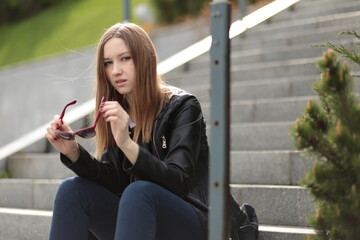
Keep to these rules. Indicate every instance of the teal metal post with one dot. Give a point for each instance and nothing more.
(127, 10)
(243, 8)
(220, 116)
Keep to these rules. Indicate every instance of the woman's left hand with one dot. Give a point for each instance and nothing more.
(119, 121)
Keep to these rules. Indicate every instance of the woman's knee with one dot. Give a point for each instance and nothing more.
(140, 192)
(69, 184)
(71, 187)
(139, 188)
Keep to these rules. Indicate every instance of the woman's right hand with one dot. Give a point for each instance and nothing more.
(69, 148)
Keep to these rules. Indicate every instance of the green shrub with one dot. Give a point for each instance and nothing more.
(5, 174)
(15, 10)
(169, 11)
(328, 133)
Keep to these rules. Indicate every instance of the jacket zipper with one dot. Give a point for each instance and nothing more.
(163, 142)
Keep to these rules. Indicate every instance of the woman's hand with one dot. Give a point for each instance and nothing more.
(69, 148)
(119, 123)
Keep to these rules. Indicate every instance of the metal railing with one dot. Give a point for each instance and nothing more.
(220, 120)
(220, 105)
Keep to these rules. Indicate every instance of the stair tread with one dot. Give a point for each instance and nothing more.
(286, 229)
(27, 212)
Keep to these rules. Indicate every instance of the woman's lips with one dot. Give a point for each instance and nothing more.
(120, 82)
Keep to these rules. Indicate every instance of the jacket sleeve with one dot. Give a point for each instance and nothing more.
(107, 172)
(176, 170)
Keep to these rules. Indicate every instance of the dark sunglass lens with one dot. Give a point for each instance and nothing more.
(66, 136)
(87, 133)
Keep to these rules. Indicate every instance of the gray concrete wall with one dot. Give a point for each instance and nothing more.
(170, 40)
(32, 93)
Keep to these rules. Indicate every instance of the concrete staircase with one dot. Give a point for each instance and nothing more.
(272, 71)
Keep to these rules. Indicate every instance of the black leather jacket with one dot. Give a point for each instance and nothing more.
(176, 158)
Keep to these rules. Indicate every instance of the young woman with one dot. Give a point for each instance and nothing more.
(149, 178)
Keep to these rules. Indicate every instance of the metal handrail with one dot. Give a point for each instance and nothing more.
(164, 67)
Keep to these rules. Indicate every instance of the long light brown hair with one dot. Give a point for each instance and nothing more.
(149, 94)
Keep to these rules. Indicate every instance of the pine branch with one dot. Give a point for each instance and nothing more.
(351, 54)
(353, 33)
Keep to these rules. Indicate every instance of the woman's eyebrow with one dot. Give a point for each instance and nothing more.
(119, 55)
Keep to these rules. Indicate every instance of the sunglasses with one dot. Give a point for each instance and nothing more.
(88, 132)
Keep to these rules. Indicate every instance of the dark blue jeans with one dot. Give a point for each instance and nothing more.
(144, 211)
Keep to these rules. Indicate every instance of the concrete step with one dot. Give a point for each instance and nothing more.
(306, 5)
(268, 167)
(277, 38)
(260, 55)
(277, 167)
(261, 136)
(306, 9)
(28, 193)
(261, 71)
(24, 224)
(268, 232)
(305, 67)
(295, 86)
(288, 87)
(19, 224)
(264, 110)
(37, 166)
(275, 204)
(301, 25)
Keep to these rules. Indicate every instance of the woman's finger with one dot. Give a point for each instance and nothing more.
(50, 134)
(57, 123)
(112, 104)
(111, 112)
(60, 125)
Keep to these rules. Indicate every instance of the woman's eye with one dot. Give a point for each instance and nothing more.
(107, 63)
(125, 58)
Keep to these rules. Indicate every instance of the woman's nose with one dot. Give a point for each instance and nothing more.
(117, 69)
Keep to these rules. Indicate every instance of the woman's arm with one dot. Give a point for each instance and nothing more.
(107, 172)
(176, 170)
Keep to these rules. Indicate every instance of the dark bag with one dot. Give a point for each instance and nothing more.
(244, 222)
(91, 236)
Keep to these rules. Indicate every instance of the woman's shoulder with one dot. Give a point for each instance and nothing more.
(179, 99)
(177, 95)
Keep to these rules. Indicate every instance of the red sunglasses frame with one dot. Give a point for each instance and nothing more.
(86, 133)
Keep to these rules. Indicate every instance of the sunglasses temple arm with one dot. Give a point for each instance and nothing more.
(98, 114)
(63, 111)
(97, 118)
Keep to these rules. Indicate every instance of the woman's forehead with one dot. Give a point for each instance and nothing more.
(114, 47)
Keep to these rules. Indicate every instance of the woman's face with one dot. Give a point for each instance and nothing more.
(119, 65)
